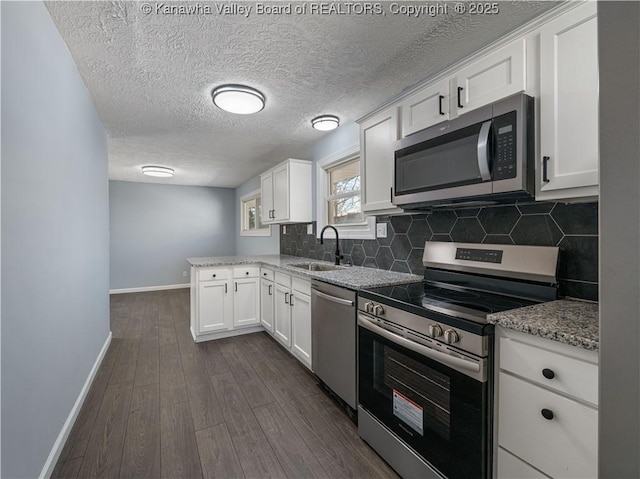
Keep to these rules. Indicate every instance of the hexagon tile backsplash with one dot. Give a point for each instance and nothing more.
(572, 227)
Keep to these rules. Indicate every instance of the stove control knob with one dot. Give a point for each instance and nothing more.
(368, 307)
(435, 331)
(451, 336)
(378, 310)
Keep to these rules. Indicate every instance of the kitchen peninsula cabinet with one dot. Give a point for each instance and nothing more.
(286, 193)
(569, 130)
(224, 302)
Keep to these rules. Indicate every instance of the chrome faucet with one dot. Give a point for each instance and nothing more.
(337, 253)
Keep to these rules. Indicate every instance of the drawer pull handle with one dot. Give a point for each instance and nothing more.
(547, 414)
(548, 373)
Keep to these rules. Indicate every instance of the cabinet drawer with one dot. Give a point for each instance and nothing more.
(246, 272)
(283, 278)
(301, 285)
(212, 274)
(564, 446)
(512, 467)
(570, 376)
(266, 274)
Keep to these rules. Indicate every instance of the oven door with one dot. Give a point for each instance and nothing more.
(440, 411)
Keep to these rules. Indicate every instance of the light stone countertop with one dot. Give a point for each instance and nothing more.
(352, 277)
(568, 321)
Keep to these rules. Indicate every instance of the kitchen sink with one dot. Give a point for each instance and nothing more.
(317, 266)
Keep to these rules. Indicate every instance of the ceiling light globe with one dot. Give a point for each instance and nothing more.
(239, 99)
(325, 122)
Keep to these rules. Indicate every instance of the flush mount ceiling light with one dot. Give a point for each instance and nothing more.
(325, 122)
(239, 99)
(158, 171)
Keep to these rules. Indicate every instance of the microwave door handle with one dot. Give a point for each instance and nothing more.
(483, 151)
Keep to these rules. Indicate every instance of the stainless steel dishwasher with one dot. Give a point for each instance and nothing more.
(333, 323)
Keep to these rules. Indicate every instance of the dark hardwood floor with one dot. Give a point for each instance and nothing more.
(162, 406)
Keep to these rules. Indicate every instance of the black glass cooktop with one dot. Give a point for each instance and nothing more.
(466, 304)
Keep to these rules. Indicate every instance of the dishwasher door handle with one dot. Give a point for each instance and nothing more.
(343, 302)
(449, 360)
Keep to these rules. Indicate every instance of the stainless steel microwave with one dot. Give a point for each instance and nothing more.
(484, 156)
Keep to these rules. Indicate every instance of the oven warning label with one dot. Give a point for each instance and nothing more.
(408, 412)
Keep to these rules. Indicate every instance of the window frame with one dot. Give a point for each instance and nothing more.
(265, 230)
(366, 230)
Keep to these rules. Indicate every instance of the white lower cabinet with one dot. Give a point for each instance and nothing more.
(301, 321)
(292, 315)
(547, 409)
(225, 302)
(266, 305)
(282, 315)
(215, 307)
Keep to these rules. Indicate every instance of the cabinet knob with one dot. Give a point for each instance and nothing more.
(548, 373)
(547, 414)
(247, 273)
(214, 275)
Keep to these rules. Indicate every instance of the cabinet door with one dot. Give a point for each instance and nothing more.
(569, 103)
(266, 192)
(301, 333)
(378, 135)
(215, 306)
(281, 193)
(246, 302)
(493, 77)
(425, 108)
(266, 304)
(282, 313)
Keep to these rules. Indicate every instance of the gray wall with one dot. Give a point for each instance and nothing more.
(332, 143)
(619, 414)
(55, 236)
(252, 245)
(155, 228)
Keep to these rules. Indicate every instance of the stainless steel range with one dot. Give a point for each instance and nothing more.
(425, 355)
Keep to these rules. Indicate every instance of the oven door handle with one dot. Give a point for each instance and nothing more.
(419, 348)
(483, 151)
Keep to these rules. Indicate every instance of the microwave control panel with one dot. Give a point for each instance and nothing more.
(504, 161)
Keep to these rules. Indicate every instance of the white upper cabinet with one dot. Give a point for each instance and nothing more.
(568, 156)
(286, 193)
(490, 78)
(378, 135)
(494, 76)
(425, 108)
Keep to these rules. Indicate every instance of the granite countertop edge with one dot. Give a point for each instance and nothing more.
(570, 321)
(351, 277)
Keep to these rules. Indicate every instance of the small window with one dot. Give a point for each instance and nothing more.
(343, 196)
(250, 208)
(339, 195)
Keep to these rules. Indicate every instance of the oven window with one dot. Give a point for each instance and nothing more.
(407, 378)
(442, 414)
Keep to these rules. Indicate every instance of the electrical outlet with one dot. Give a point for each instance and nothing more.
(381, 230)
(284, 229)
(310, 229)
(184, 274)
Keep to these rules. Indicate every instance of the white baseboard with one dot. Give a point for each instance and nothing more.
(50, 464)
(144, 289)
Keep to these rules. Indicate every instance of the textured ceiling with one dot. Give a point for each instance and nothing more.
(150, 76)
